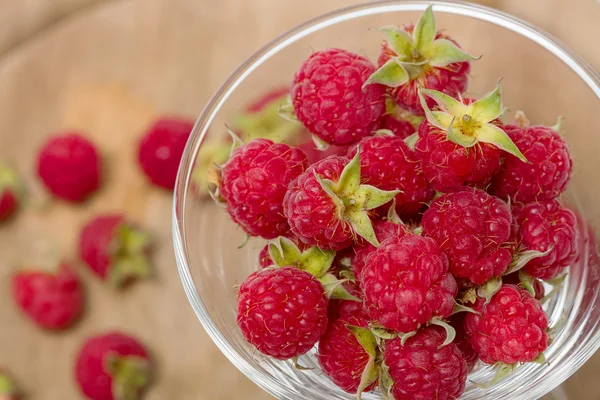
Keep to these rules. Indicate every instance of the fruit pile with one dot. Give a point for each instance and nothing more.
(110, 365)
(415, 244)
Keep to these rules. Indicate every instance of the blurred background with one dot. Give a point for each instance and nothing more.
(109, 68)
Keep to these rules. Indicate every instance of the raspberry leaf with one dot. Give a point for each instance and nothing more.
(450, 332)
(425, 30)
(334, 288)
(494, 135)
(399, 40)
(391, 74)
(129, 375)
(443, 52)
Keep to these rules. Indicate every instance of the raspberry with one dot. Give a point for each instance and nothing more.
(406, 283)
(462, 341)
(115, 249)
(511, 328)
(537, 285)
(282, 311)
(545, 175)
(70, 167)
(112, 366)
(422, 370)
(254, 182)
(401, 128)
(449, 166)
(161, 148)
(383, 230)
(11, 192)
(264, 259)
(387, 163)
(475, 230)
(328, 96)
(341, 308)
(547, 226)
(53, 300)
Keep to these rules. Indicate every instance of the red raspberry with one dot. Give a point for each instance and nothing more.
(53, 300)
(254, 182)
(115, 249)
(514, 279)
(400, 127)
(70, 167)
(449, 166)
(422, 370)
(312, 214)
(112, 366)
(342, 308)
(161, 148)
(328, 96)
(545, 175)
(383, 230)
(543, 226)
(475, 230)
(341, 356)
(451, 79)
(387, 163)
(462, 340)
(406, 283)
(10, 192)
(8, 387)
(511, 328)
(264, 258)
(282, 311)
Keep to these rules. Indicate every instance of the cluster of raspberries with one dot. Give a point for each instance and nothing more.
(428, 204)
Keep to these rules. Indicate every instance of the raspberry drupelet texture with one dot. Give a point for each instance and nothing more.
(339, 308)
(511, 328)
(399, 127)
(547, 173)
(422, 370)
(312, 214)
(449, 166)
(341, 356)
(328, 96)
(476, 232)
(387, 163)
(462, 340)
(547, 226)
(254, 182)
(282, 311)
(406, 283)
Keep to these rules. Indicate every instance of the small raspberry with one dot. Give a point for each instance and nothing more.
(511, 328)
(547, 226)
(422, 370)
(401, 128)
(449, 166)
(70, 167)
(161, 148)
(341, 308)
(11, 192)
(254, 182)
(387, 163)
(475, 230)
(341, 356)
(115, 249)
(113, 366)
(53, 300)
(282, 311)
(462, 340)
(514, 279)
(406, 283)
(545, 175)
(328, 96)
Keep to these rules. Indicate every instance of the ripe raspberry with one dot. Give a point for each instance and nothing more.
(406, 283)
(161, 148)
(70, 167)
(422, 370)
(462, 341)
(341, 308)
(511, 328)
(401, 128)
(115, 249)
(264, 259)
(113, 366)
(328, 96)
(547, 226)
(449, 166)
(387, 163)
(254, 182)
(547, 173)
(53, 301)
(475, 230)
(282, 311)
(341, 356)
(11, 191)
(8, 387)
(514, 279)
(362, 251)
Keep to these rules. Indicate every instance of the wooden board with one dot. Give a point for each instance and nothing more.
(109, 69)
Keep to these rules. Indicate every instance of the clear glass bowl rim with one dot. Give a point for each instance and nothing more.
(507, 21)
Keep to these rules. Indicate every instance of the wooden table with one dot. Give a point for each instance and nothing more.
(109, 67)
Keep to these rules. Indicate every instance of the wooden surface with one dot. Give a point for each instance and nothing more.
(109, 67)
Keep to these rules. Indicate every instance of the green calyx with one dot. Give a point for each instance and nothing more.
(130, 376)
(129, 251)
(353, 200)
(417, 52)
(267, 122)
(521, 258)
(9, 180)
(467, 125)
(213, 152)
(7, 386)
(489, 289)
(368, 341)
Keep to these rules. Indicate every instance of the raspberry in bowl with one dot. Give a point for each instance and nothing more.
(478, 234)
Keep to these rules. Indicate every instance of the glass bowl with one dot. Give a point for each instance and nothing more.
(540, 77)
